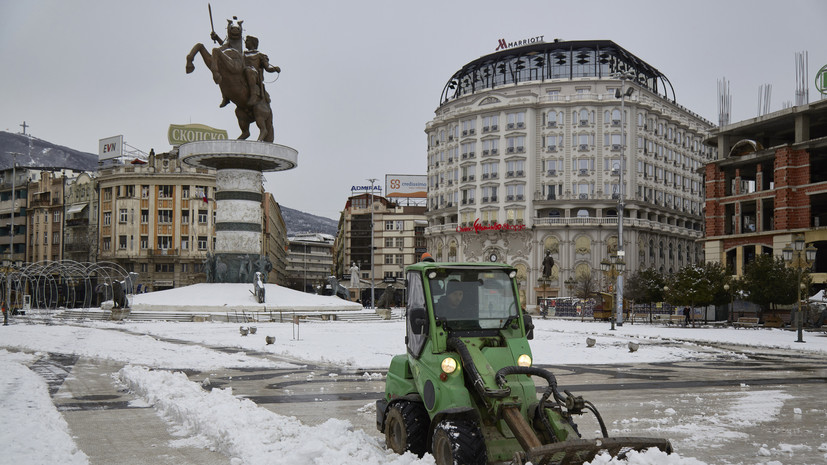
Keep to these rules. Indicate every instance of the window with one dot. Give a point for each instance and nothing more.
(516, 120)
(57, 217)
(144, 267)
(144, 192)
(164, 268)
(514, 215)
(107, 218)
(468, 196)
(400, 225)
(514, 192)
(490, 147)
(144, 216)
(388, 242)
(515, 144)
(554, 119)
(468, 126)
(202, 216)
(164, 242)
(129, 191)
(388, 259)
(489, 193)
(468, 173)
(185, 192)
(489, 216)
(185, 268)
(553, 95)
(490, 123)
(144, 242)
(122, 242)
(514, 168)
(165, 192)
(468, 149)
(123, 215)
(202, 242)
(489, 170)
(185, 243)
(106, 244)
(388, 225)
(164, 216)
(56, 238)
(554, 143)
(185, 217)
(107, 193)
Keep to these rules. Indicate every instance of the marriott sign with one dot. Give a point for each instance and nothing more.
(503, 44)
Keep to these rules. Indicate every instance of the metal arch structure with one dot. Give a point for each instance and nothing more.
(62, 284)
(550, 61)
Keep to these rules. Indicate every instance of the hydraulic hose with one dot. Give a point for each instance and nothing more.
(455, 343)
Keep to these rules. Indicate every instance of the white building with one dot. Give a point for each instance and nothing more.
(524, 156)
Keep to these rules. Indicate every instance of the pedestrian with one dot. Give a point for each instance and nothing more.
(686, 316)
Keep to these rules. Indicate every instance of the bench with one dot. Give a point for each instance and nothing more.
(677, 319)
(746, 322)
(640, 317)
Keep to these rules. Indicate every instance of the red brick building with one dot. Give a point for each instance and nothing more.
(768, 185)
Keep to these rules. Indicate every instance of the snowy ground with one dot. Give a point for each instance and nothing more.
(209, 417)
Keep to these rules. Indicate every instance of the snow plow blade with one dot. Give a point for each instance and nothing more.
(578, 451)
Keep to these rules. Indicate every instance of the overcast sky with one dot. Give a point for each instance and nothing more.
(360, 79)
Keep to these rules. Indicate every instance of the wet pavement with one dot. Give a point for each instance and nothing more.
(768, 406)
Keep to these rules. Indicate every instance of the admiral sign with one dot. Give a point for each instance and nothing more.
(182, 133)
(376, 188)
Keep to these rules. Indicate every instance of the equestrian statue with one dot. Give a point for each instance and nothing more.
(240, 76)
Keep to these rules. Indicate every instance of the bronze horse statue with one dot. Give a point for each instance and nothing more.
(227, 63)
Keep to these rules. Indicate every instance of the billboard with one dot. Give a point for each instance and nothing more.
(406, 186)
(111, 147)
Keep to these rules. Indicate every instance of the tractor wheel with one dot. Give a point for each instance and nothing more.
(458, 442)
(406, 428)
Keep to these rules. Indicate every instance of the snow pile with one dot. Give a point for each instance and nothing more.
(34, 431)
(252, 435)
(223, 297)
(119, 346)
(647, 457)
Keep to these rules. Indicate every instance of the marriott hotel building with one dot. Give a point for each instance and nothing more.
(525, 154)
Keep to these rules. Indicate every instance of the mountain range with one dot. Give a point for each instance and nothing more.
(46, 155)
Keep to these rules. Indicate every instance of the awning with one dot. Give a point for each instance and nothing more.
(77, 208)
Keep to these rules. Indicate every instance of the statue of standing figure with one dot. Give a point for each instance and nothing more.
(354, 275)
(240, 77)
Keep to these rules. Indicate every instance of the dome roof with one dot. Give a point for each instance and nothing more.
(558, 60)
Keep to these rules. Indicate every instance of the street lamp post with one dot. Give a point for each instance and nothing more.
(614, 267)
(731, 303)
(622, 93)
(372, 264)
(799, 258)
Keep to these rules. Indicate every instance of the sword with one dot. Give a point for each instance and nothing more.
(212, 27)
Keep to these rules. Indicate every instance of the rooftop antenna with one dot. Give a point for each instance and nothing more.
(724, 102)
(802, 90)
(764, 99)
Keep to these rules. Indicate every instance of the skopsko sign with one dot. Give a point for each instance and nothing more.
(477, 227)
(182, 133)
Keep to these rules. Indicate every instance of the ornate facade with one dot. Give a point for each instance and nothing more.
(524, 156)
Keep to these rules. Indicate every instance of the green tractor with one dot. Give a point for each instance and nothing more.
(464, 390)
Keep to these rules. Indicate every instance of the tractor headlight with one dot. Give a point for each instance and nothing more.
(524, 360)
(449, 365)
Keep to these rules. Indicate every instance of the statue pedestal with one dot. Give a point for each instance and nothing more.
(239, 181)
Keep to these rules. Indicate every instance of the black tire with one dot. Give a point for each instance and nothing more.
(406, 428)
(458, 442)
